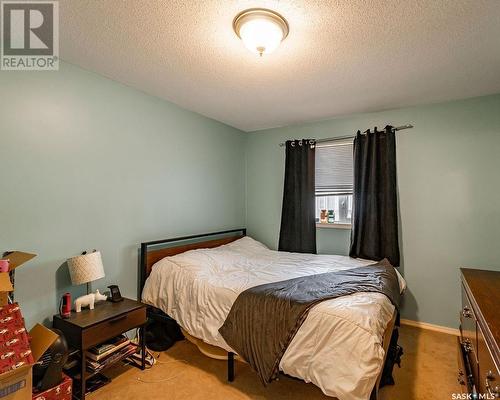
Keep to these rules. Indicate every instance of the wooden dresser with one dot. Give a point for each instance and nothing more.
(478, 345)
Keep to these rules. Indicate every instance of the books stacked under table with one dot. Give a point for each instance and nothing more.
(103, 355)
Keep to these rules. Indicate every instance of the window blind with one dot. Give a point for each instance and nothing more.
(334, 174)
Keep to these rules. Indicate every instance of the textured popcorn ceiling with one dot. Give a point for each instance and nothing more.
(341, 56)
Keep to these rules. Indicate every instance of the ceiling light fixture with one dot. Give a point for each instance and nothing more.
(260, 29)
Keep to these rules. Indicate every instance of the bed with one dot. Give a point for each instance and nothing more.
(342, 343)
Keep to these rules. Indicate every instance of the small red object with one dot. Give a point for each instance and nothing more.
(4, 265)
(14, 341)
(65, 306)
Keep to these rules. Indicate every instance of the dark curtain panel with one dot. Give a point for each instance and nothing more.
(298, 224)
(374, 231)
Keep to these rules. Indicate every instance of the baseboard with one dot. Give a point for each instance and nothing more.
(430, 327)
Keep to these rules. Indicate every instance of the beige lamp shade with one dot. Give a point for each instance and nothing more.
(86, 268)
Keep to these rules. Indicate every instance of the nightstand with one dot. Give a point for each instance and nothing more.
(92, 327)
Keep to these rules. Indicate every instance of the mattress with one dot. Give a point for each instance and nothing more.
(338, 347)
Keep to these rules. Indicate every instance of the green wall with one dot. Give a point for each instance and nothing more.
(449, 195)
(88, 163)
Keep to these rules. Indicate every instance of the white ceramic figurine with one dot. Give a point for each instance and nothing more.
(88, 300)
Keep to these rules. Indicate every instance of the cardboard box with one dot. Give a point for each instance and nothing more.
(5, 288)
(16, 259)
(17, 384)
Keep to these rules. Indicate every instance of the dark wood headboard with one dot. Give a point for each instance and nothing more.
(154, 251)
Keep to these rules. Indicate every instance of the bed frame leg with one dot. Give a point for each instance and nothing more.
(230, 366)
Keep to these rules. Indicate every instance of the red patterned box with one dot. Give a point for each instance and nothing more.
(63, 391)
(15, 349)
(10, 310)
(18, 359)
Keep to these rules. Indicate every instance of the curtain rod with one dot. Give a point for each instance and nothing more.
(398, 128)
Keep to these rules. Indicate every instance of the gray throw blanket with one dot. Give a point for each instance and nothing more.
(264, 319)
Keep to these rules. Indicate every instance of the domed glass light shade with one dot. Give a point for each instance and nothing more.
(261, 30)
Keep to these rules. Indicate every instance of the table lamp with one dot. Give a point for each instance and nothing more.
(86, 268)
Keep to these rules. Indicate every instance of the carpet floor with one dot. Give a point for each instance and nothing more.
(428, 371)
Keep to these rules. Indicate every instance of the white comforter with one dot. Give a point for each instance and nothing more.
(338, 347)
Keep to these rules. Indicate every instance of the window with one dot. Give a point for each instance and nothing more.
(334, 182)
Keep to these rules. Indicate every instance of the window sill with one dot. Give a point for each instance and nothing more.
(333, 226)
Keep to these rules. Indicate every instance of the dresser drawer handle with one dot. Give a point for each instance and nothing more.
(466, 312)
(118, 319)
